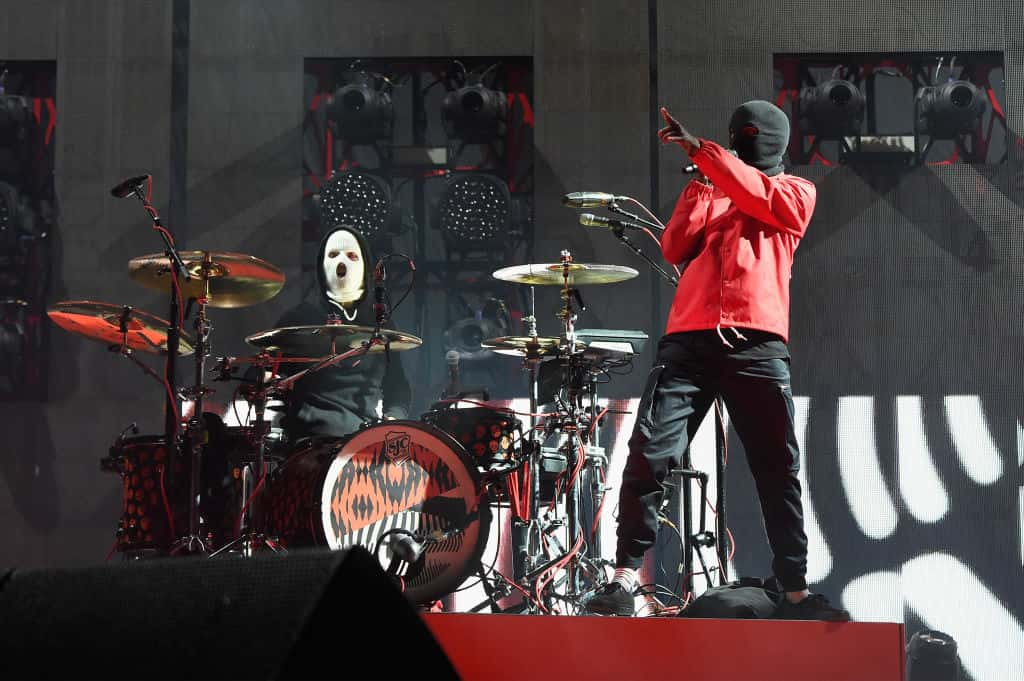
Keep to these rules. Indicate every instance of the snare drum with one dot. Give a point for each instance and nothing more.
(396, 475)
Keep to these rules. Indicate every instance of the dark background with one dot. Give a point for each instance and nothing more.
(890, 297)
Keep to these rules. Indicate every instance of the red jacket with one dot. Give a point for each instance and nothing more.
(739, 236)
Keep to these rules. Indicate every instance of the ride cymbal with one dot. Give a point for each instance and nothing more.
(328, 339)
(551, 274)
(235, 279)
(102, 322)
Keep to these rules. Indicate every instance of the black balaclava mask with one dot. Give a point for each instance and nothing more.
(760, 134)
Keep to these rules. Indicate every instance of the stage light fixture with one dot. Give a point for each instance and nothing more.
(15, 112)
(15, 128)
(15, 233)
(832, 110)
(932, 656)
(466, 336)
(475, 212)
(949, 110)
(474, 113)
(361, 110)
(16, 227)
(360, 199)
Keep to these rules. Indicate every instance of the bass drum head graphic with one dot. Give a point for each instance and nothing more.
(402, 477)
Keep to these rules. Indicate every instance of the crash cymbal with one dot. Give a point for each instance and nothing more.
(236, 279)
(527, 346)
(550, 274)
(102, 322)
(328, 339)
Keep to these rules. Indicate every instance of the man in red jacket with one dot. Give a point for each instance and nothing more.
(736, 228)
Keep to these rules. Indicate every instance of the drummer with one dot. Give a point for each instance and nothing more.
(338, 400)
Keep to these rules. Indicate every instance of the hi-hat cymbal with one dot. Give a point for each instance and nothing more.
(550, 274)
(236, 279)
(102, 322)
(328, 339)
(527, 346)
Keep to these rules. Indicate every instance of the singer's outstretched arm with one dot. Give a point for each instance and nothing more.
(785, 206)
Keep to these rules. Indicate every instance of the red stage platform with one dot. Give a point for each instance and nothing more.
(569, 648)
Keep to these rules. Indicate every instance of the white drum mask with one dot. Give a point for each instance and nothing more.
(344, 267)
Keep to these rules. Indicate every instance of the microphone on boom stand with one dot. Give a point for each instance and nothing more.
(380, 308)
(591, 199)
(130, 186)
(591, 220)
(451, 358)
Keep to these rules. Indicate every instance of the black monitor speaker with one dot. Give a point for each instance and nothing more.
(308, 615)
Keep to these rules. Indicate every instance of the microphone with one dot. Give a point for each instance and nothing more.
(591, 220)
(692, 168)
(452, 359)
(379, 292)
(129, 186)
(590, 199)
(405, 546)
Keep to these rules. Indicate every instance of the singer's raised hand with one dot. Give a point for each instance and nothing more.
(675, 133)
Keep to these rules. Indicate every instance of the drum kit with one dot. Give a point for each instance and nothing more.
(419, 494)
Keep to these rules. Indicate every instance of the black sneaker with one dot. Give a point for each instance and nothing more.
(610, 599)
(814, 607)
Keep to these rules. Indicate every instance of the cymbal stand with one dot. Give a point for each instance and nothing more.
(193, 541)
(598, 476)
(125, 350)
(252, 539)
(525, 538)
(568, 422)
(570, 425)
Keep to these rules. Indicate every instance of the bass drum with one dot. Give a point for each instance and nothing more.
(396, 475)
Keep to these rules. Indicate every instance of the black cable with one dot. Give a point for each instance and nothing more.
(234, 405)
(658, 590)
(682, 551)
(490, 570)
(412, 280)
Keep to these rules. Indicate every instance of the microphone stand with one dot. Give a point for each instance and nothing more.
(620, 234)
(381, 313)
(720, 465)
(615, 207)
(174, 330)
(171, 427)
